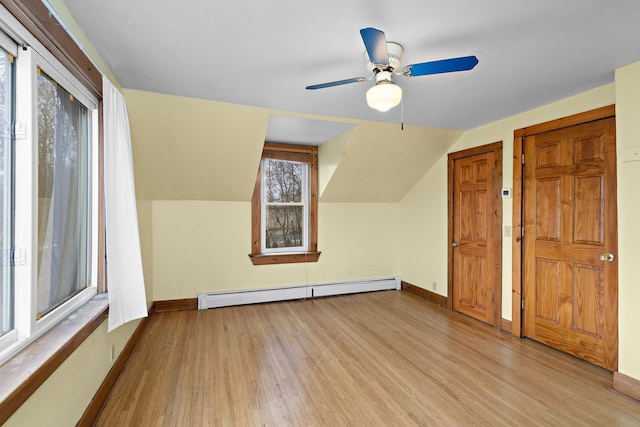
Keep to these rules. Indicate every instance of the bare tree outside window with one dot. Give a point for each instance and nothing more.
(284, 203)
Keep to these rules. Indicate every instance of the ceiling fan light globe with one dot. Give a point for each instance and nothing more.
(384, 96)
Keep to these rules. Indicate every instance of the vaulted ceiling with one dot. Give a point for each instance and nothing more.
(264, 53)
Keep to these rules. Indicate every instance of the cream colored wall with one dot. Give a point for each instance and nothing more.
(430, 196)
(423, 235)
(357, 240)
(628, 143)
(203, 246)
(64, 396)
(145, 223)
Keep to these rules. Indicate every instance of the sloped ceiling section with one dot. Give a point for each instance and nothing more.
(380, 162)
(330, 155)
(192, 149)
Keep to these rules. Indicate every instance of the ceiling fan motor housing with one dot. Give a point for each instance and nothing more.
(395, 58)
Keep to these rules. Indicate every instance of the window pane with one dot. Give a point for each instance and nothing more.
(283, 181)
(63, 195)
(284, 226)
(6, 193)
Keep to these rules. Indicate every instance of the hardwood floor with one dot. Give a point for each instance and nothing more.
(375, 359)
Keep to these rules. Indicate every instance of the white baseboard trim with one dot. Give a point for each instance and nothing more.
(255, 296)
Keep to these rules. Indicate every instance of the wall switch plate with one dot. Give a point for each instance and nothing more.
(506, 193)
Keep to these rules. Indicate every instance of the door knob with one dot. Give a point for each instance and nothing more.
(455, 244)
(607, 257)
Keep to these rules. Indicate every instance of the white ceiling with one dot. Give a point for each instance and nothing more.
(264, 53)
(296, 130)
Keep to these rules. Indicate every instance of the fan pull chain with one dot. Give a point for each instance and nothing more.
(402, 113)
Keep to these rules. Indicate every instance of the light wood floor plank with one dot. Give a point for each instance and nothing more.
(376, 359)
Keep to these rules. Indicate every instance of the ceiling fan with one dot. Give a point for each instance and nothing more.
(384, 59)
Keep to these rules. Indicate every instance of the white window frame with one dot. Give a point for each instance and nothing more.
(11, 47)
(265, 204)
(31, 55)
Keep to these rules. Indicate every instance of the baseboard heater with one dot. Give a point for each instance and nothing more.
(254, 296)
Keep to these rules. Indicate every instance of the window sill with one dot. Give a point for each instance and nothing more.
(28, 369)
(290, 258)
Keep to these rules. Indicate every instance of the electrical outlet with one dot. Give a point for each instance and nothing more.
(434, 286)
(112, 353)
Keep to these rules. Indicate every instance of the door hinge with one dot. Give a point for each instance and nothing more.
(522, 158)
(522, 304)
(19, 130)
(522, 232)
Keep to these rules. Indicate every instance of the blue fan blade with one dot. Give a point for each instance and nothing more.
(376, 44)
(337, 83)
(442, 66)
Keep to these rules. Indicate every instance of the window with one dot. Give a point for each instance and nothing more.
(48, 189)
(285, 204)
(64, 238)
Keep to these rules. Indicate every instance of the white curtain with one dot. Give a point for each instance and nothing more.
(125, 279)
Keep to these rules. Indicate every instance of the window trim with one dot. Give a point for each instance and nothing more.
(304, 203)
(292, 152)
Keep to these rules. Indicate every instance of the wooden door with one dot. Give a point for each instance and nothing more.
(570, 293)
(475, 252)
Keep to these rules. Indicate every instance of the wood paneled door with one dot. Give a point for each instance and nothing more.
(570, 241)
(475, 208)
